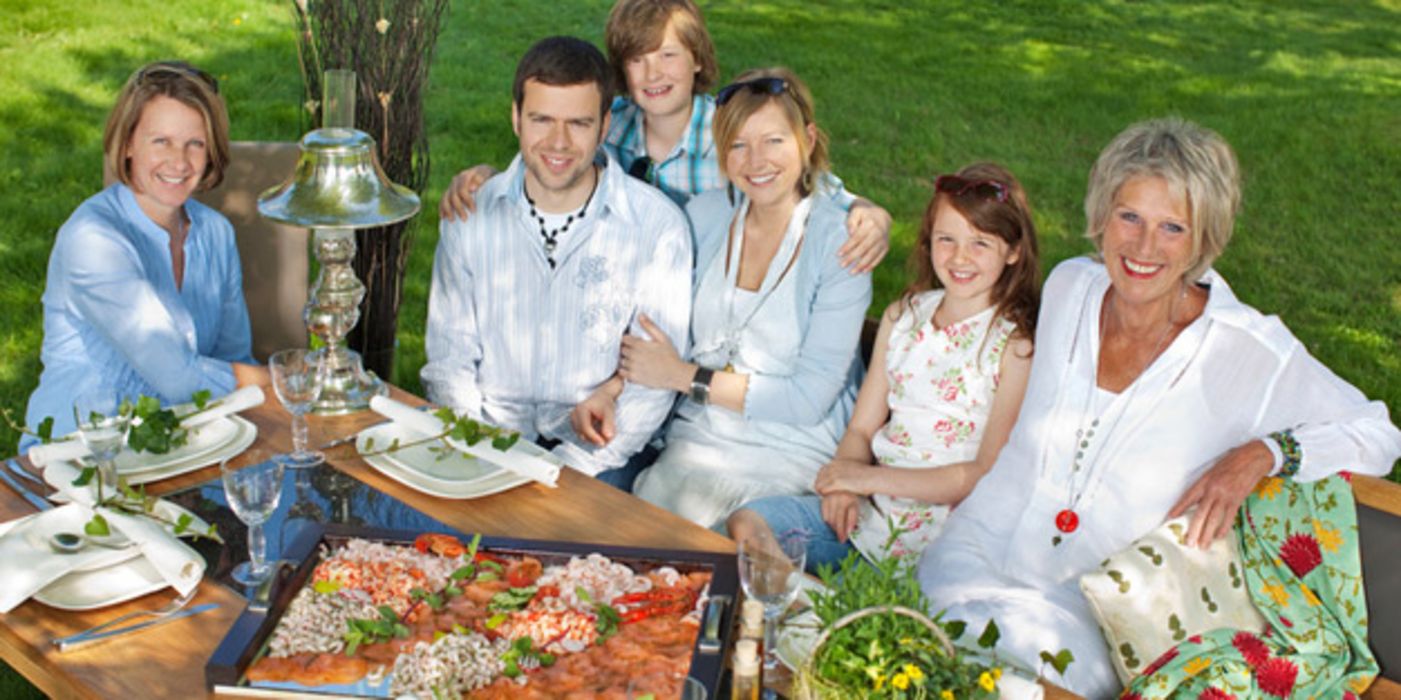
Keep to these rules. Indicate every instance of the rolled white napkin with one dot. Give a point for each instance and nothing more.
(240, 400)
(513, 460)
(178, 564)
(69, 450)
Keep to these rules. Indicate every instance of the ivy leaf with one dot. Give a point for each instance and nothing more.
(988, 639)
(97, 527)
(46, 430)
(201, 398)
(85, 477)
(955, 628)
(182, 523)
(1060, 661)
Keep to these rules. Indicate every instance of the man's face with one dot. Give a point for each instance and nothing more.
(560, 128)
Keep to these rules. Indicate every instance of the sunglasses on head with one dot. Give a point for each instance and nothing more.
(758, 86)
(176, 69)
(959, 186)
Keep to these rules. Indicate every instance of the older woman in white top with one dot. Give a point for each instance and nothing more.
(1154, 391)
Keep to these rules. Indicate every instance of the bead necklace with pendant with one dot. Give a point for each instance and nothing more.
(551, 237)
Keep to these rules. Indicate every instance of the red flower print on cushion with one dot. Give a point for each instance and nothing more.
(1215, 694)
(1276, 677)
(1195, 639)
(1167, 656)
(1286, 622)
(1300, 553)
(1347, 476)
(1254, 651)
(1130, 695)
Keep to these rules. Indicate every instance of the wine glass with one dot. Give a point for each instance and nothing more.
(102, 420)
(296, 378)
(253, 493)
(771, 572)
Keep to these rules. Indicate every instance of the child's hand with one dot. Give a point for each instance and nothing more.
(842, 475)
(841, 511)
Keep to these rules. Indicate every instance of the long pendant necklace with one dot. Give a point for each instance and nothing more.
(551, 237)
(1067, 520)
(730, 343)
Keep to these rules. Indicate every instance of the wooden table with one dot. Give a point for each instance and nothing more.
(169, 662)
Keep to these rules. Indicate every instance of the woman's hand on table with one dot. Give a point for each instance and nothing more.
(841, 511)
(868, 231)
(1219, 493)
(842, 475)
(653, 361)
(460, 198)
(595, 418)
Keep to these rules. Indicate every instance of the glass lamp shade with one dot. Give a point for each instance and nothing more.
(338, 183)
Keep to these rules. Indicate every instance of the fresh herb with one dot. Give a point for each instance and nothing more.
(521, 650)
(371, 630)
(606, 617)
(434, 600)
(512, 599)
(455, 427)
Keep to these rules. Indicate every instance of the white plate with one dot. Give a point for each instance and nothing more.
(109, 583)
(234, 435)
(446, 475)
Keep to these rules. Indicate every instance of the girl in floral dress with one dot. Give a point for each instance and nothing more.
(945, 384)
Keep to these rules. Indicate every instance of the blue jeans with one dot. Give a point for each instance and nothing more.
(803, 515)
(623, 477)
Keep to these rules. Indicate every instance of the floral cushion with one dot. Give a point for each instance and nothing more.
(1158, 592)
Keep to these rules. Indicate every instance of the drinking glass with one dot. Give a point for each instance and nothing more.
(253, 493)
(102, 422)
(771, 572)
(296, 378)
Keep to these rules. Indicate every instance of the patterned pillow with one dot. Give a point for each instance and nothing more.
(1159, 591)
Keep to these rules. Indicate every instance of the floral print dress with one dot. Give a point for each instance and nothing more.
(941, 385)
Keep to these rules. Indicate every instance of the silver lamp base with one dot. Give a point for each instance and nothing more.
(346, 386)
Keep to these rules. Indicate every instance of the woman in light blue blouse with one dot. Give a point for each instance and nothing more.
(775, 320)
(144, 292)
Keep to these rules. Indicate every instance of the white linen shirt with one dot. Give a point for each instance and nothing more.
(517, 343)
(1232, 376)
(113, 316)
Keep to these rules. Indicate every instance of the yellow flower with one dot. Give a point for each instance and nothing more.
(906, 641)
(1276, 592)
(987, 682)
(1269, 487)
(1309, 597)
(900, 681)
(996, 673)
(913, 672)
(1196, 666)
(237, 21)
(878, 682)
(946, 695)
(1328, 538)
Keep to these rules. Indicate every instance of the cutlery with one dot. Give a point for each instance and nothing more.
(167, 609)
(710, 642)
(85, 638)
(21, 471)
(33, 498)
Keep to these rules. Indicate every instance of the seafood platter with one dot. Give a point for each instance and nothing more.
(385, 613)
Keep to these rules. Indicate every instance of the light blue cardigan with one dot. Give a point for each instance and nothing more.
(831, 306)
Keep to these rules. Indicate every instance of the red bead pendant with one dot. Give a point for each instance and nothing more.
(1067, 521)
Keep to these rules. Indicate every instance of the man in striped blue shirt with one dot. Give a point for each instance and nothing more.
(532, 295)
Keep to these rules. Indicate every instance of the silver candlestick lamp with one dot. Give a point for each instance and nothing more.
(337, 187)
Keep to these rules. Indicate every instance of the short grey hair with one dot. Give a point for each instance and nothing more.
(1195, 162)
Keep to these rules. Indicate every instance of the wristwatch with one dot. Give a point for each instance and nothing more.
(700, 385)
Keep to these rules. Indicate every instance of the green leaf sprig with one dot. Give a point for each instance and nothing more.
(371, 630)
(455, 427)
(523, 648)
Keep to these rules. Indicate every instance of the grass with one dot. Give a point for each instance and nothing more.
(1307, 91)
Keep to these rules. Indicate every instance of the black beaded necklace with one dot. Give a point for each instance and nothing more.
(551, 237)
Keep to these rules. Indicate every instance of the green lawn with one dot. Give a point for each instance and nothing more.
(1308, 91)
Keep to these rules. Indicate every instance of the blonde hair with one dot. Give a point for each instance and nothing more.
(1196, 163)
(185, 84)
(796, 102)
(636, 27)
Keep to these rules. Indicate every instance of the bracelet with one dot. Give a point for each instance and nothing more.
(1289, 447)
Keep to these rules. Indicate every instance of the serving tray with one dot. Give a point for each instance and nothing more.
(225, 673)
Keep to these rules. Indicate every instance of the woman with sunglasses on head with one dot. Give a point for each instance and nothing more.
(661, 131)
(144, 292)
(774, 326)
(1154, 391)
(944, 386)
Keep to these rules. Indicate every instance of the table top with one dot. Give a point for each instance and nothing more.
(170, 663)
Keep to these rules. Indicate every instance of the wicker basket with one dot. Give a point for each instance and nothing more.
(808, 686)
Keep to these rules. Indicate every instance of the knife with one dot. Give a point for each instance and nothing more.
(21, 471)
(80, 640)
(30, 496)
